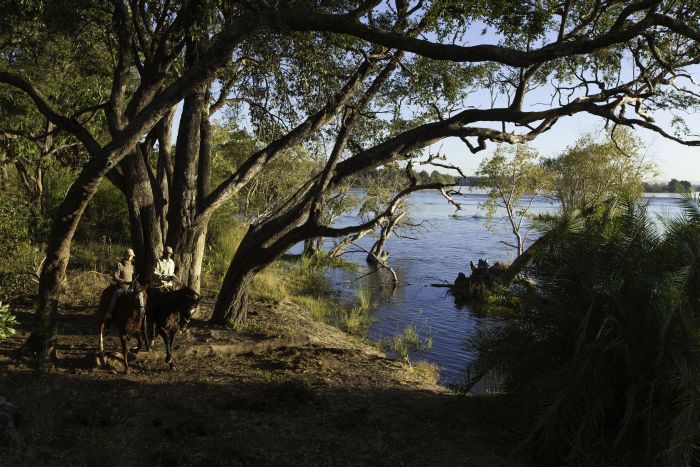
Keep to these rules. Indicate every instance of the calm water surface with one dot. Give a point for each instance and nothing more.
(441, 248)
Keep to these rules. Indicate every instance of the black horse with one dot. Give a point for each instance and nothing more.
(168, 312)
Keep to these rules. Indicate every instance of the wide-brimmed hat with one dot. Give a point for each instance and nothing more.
(168, 250)
(129, 253)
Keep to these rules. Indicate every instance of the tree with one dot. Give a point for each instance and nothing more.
(592, 171)
(510, 73)
(515, 180)
(167, 52)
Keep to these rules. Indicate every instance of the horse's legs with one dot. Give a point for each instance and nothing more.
(125, 353)
(100, 328)
(172, 339)
(139, 342)
(166, 341)
(153, 333)
(144, 332)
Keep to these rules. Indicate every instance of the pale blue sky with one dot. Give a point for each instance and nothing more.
(672, 159)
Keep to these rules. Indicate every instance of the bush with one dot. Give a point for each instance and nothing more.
(17, 254)
(603, 355)
(8, 323)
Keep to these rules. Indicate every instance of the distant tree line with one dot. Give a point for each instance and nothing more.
(674, 186)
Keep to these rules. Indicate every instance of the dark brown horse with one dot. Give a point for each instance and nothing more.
(168, 312)
(128, 316)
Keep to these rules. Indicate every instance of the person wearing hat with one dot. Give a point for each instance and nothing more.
(124, 275)
(164, 271)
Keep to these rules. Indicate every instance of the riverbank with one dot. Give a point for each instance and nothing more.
(284, 390)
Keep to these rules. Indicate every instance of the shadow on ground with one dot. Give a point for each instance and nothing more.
(313, 404)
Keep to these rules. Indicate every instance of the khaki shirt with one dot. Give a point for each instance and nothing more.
(124, 272)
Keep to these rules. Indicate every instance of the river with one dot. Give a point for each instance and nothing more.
(438, 250)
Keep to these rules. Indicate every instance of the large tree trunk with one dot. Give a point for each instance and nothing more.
(186, 228)
(144, 219)
(189, 253)
(232, 301)
(255, 251)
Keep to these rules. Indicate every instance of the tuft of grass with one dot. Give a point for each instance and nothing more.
(302, 280)
(427, 371)
(406, 342)
(222, 245)
(269, 287)
(356, 320)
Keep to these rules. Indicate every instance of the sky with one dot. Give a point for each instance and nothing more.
(672, 160)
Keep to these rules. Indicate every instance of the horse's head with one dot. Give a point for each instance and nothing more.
(483, 264)
(190, 301)
(141, 295)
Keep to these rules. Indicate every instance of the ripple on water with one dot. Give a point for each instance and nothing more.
(442, 249)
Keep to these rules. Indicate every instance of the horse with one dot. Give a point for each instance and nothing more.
(168, 312)
(128, 316)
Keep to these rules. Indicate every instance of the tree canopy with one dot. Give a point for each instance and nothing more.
(357, 84)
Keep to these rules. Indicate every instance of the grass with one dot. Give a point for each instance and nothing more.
(427, 371)
(407, 341)
(302, 280)
(357, 319)
(83, 288)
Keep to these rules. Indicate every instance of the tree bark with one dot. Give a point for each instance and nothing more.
(377, 252)
(144, 219)
(232, 302)
(343, 245)
(186, 227)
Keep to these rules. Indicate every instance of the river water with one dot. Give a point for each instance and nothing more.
(437, 251)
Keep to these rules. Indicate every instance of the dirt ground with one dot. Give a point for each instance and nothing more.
(285, 390)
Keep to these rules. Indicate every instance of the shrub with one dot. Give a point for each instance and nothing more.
(603, 355)
(8, 323)
(17, 254)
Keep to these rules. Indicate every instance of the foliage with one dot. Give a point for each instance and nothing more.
(8, 322)
(603, 354)
(106, 218)
(17, 256)
(592, 171)
(515, 180)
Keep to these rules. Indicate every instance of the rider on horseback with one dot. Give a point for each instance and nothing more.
(123, 276)
(164, 271)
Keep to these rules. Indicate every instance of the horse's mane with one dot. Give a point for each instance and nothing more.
(186, 293)
(176, 299)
